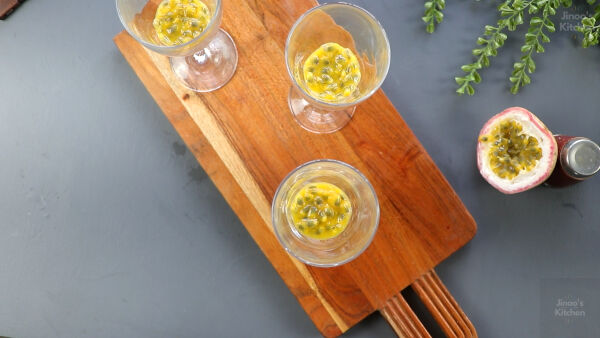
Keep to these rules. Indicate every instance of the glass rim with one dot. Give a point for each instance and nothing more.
(343, 104)
(165, 47)
(373, 232)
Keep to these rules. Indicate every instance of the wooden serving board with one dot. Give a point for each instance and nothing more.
(246, 139)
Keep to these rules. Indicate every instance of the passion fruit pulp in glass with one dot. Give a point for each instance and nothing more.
(179, 21)
(331, 73)
(320, 210)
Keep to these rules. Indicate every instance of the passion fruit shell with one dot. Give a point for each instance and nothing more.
(515, 151)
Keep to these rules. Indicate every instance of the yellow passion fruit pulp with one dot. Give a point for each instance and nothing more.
(511, 151)
(331, 73)
(179, 21)
(320, 210)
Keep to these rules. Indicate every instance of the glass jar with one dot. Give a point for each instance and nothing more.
(578, 159)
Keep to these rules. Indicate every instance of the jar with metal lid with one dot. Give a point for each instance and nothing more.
(578, 159)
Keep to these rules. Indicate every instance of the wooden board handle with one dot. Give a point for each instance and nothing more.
(402, 319)
(440, 303)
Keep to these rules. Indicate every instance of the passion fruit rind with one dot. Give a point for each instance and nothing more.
(515, 151)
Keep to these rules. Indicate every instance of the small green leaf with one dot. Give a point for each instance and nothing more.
(504, 7)
(519, 19)
(525, 48)
(530, 35)
(545, 38)
(531, 66)
(470, 90)
(514, 89)
(430, 28)
(536, 20)
(588, 21)
(485, 61)
(532, 9)
(517, 4)
(539, 48)
(477, 77)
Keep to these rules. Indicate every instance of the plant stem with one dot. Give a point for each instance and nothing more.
(490, 46)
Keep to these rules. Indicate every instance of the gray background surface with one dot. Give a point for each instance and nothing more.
(108, 226)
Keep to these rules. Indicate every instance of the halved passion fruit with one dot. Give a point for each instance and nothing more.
(515, 151)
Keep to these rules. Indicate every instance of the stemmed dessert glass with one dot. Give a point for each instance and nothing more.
(203, 64)
(357, 235)
(351, 27)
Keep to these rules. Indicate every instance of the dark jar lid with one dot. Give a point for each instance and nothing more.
(580, 158)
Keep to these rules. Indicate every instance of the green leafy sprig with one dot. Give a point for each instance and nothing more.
(511, 15)
(493, 38)
(589, 29)
(433, 14)
(519, 77)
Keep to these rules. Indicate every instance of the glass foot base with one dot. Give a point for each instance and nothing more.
(316, 119)
(211, 67)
